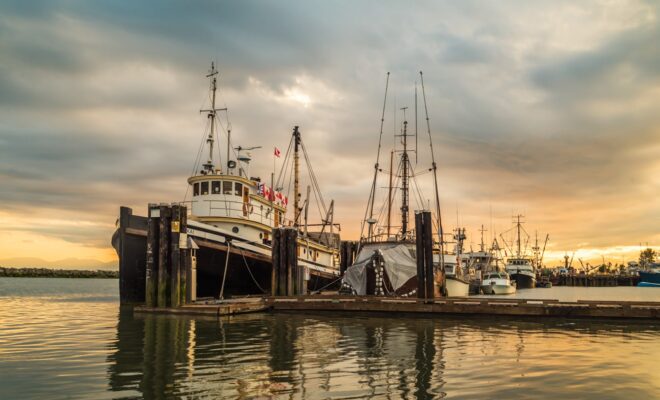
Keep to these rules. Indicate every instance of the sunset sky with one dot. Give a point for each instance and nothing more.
(549, 109)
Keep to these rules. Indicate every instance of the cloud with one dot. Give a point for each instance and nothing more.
(546, 108)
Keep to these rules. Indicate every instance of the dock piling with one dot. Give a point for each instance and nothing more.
(163, 255)
(175, 257)
(151, 272)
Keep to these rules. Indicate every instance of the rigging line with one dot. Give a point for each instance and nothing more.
(284, 163)
(370, 204)
(435, 168)
(197, 159)
(313, 178)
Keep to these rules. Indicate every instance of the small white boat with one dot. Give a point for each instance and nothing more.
(497, 283)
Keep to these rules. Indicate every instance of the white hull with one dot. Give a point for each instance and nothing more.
(498, 289)
(457, 287)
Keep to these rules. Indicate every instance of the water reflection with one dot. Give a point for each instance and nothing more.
(322, 356)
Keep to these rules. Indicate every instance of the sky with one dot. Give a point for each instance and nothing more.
(543, 108)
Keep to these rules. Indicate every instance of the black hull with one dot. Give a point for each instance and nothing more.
(248, 272)
(524, 281)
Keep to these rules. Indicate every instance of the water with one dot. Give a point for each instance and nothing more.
(68, 338)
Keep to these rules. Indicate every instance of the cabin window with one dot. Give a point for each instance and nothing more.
(238, 189)
(205, 188)
(226, 187)
(196, 189)
(215, 187)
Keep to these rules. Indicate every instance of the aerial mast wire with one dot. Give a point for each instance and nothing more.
(372, 195)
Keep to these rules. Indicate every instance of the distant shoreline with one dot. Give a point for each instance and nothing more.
(55, 273)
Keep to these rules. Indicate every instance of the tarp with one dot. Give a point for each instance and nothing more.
(399, 263)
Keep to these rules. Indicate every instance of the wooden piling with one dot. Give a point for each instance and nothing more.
(424, 247)
(427, 244)
(275, 252)
(163, 255)
(287, 277)
(151, 273)
(421, 259)
(184, 255)
(175, 278)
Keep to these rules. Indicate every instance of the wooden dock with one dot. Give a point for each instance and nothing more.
(212, 309)
(445, 306)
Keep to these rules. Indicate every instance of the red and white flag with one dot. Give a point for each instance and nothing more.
(277, 152)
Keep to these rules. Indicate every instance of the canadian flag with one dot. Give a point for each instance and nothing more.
(277, 152)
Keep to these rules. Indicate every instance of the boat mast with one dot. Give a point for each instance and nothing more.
(296, 177)
(435, 174)
(208, 167)
(372, 195)
(404, 178)
(389, 197)
(518, 228)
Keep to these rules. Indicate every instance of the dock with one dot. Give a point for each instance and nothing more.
(406, 305)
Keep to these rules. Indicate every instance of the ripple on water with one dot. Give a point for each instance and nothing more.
(79, 344)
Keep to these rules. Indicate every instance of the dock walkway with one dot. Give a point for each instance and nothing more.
(443, 306)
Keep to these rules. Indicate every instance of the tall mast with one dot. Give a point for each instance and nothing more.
(404, 178)
(209, 167)
(482, 230)
(518, 228)
(435, 173)
(389, 197)
(296, 176)
(369, 213)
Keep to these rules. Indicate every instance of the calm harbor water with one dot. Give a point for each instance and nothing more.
(68, 338)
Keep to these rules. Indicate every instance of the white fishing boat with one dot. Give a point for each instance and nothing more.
(232, 214)
(497, 283)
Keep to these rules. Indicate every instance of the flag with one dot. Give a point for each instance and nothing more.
(277, 152)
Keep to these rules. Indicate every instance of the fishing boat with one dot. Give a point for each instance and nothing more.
(457, 273)
(497, 283)
(386, 257)
(232, 214)
(518, 266)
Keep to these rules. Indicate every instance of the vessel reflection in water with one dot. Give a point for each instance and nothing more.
(329, 356)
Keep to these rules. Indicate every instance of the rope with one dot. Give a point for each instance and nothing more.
(250, 271)
(329, 284)
(224, 275)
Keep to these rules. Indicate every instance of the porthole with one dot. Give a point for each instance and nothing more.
(261, 236)
(235, 229)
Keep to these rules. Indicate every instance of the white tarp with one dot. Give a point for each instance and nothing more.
(399, 263)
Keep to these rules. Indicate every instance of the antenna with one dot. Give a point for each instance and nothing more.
(209, 167)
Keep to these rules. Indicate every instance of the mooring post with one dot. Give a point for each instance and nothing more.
(124, 216)
(184, 254)
(164, 266)
(291, 235)
(282, 271)
(275, 253)
(175, 278)
(151, 274)
(421, 258)
(427, 244)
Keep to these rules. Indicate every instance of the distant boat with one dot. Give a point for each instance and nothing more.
(498, 283)
(650, 277)
(520, 267)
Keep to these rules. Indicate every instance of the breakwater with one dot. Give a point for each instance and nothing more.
(56, 273)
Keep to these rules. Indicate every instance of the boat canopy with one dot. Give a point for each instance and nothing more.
(398, 261)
